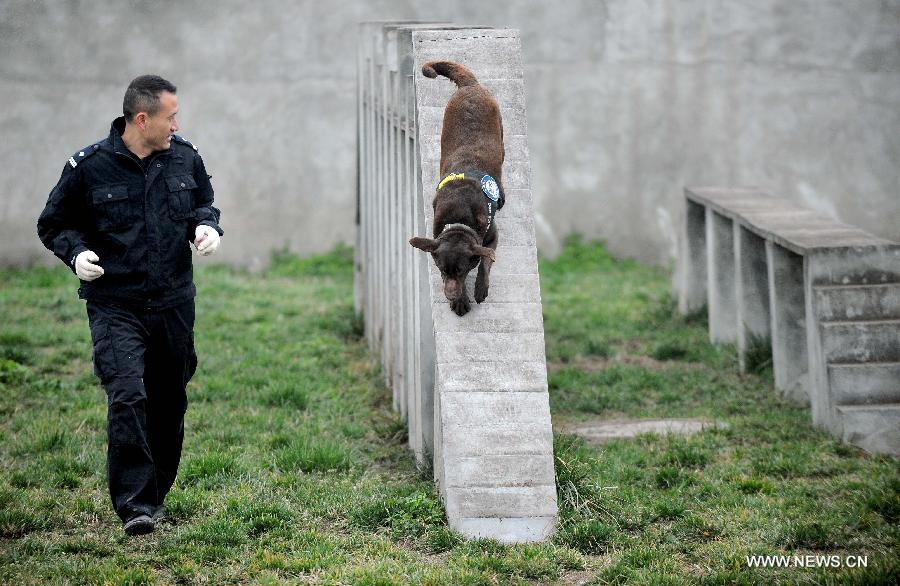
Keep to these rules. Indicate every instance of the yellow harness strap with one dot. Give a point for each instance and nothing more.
(451, 177)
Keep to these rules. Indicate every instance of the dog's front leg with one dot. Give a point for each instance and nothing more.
(461, 305)
(483, 278)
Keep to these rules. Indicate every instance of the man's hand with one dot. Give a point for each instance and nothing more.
(85, 267)
(207, 240)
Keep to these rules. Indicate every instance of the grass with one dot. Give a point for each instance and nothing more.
(295, 468)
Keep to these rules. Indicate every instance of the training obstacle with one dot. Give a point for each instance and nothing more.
(474, 388)
(825, 294)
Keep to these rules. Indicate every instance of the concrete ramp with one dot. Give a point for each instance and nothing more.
(473, 389)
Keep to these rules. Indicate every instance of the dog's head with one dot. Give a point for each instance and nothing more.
(455, 252)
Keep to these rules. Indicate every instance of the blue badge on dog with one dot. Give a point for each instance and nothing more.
(490, 188)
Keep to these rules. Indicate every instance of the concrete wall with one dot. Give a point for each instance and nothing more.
(627, 102)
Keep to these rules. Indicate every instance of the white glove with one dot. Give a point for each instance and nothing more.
(85, 267)
(207, 240)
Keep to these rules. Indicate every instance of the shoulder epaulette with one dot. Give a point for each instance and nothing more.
(183, 140)
(83, 154)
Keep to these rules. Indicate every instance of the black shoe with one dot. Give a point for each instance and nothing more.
(159, 514)
(139, 525)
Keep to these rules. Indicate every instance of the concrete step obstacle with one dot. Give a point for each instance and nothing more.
(473, 389)
(864, 383)
(864, 302)
(875, 428)
(860, 341)
(826, 294)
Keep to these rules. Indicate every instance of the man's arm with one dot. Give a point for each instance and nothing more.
(61, 225)
(205, 213)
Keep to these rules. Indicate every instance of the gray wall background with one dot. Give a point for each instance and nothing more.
(628, 101)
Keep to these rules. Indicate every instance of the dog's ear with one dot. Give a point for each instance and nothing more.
(426, 244)
(485, 251)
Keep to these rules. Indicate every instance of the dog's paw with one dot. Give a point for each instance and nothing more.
(481, 290)
(461, 306)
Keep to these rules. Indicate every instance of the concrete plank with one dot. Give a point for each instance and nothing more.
(787, 223)
(516, 231)
(489, 347)
(482, 441)
(493, 317)
(502, 501)
(495, 409)
(869, 302)
(865, 383)
(514, 260)
(505, 529)
(516, 175)
(519, 203)
(502, 470)
(467, 377)
(861, 341)
(874, 428)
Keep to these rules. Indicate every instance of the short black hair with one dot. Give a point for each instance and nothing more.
(142, 95)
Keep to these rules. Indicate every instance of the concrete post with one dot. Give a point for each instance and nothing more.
(359, 249)
(751, 290)
(721, 278)
(366, 122)
(396, 213)
(692, 269)
(389, 339)
(788, 323)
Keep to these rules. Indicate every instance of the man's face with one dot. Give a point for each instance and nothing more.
(162, 125)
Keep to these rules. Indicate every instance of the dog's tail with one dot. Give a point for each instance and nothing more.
(460, 74)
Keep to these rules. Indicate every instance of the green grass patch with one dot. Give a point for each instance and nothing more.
(405, 514)
(208, 470)
(313, 453)
(296, 470)
(758, 356)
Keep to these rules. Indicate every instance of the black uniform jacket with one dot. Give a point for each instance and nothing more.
(138, 217)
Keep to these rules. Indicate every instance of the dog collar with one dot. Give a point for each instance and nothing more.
(489, 187)
(463, 227)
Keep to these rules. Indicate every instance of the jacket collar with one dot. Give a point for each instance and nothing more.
(115, 135)
(115, 139)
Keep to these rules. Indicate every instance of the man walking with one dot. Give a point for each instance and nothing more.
(122, 217)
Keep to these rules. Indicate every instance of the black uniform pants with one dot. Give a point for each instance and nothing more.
(144, 359)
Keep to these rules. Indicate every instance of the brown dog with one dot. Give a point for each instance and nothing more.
(470, 191)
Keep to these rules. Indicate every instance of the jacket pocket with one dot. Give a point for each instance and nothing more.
(181, 196)
(112, 210)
